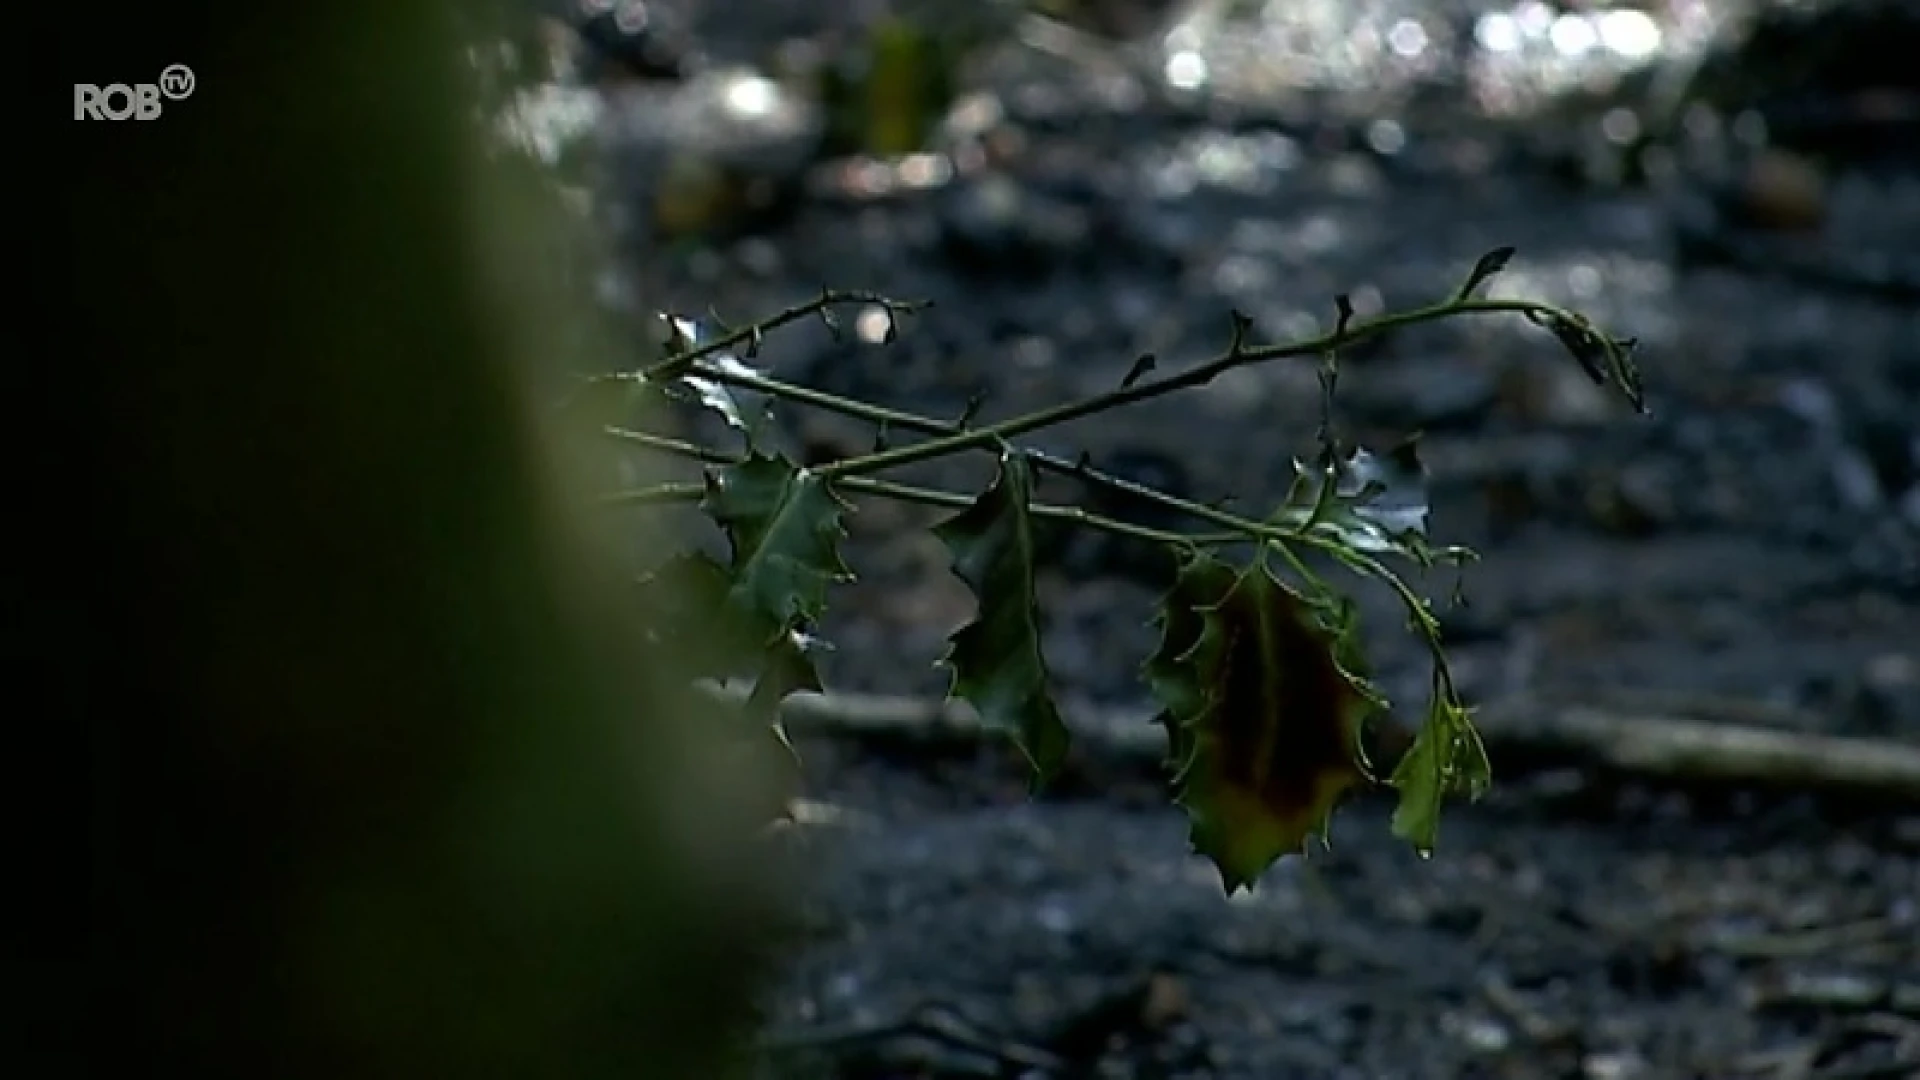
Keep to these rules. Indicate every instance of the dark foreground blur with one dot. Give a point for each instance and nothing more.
(378, 788)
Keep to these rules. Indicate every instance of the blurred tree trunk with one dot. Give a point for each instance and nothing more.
(378, 789)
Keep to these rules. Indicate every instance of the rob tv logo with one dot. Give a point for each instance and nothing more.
(139, 101)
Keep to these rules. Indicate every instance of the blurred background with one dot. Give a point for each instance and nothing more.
(1735, 183)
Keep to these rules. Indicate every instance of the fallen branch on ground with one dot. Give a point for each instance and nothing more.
(1661, 746)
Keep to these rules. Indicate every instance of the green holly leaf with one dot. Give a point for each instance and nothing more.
(1200, 584)
(691, 618)
(689, 613)
(683, 335)
(715, 395)
(1446, 758)
(784, 525)
(996, 659)
(1371, 502)
(1263, 719)
(788, 667)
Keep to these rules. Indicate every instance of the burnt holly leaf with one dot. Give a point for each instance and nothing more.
(784, 525)
(1375, 503)
(996, 660)
(1446, 758)
(1262, 718)
(1604, 359)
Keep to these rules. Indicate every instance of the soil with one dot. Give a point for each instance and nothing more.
(1753, 543)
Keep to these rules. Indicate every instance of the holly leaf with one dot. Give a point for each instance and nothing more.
(996, 660)
(717, 397)
(683, 335)
(687, 611)
(788, 667)
(1446, 758)
(1371, 502)
(1262, 718)
(689, 615)
(1200, 583)
(1605, 359)
(784, 525)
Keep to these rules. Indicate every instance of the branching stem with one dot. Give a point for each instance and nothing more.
(1237, 354)
(950, 500)
(1338, 511)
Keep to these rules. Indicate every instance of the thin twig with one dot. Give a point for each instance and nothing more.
(691, 492)
(926, 425)
(1237, 354)
(679, 364)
